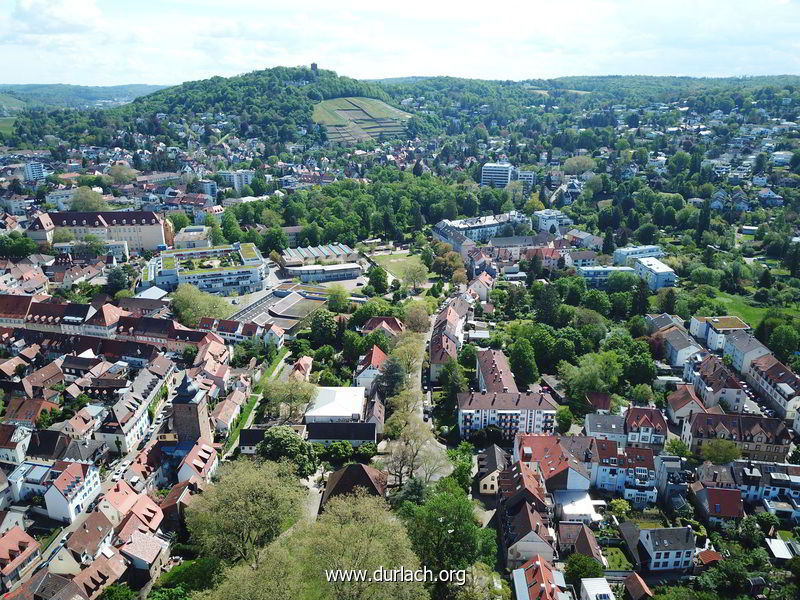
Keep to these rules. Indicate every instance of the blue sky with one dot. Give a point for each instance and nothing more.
(106, 42)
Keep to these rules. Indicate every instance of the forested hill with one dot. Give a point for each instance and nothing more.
(276, 105)
(72, 96)
(270, 104)
(668, 89)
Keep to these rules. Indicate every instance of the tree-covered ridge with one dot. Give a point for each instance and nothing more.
(666, 89)
(276, 105)
(269, 104)
(74, 96)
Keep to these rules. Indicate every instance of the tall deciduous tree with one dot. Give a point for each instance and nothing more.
(523, 363)
(445, 533)
(251, 504)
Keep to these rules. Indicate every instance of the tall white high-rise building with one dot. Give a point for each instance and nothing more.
(34, 171)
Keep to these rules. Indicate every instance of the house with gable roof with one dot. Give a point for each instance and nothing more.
(482, 285)
(201, 462)
(368, 368)
(645, 428)
(73, 489)
(682, 403)
(537, 579)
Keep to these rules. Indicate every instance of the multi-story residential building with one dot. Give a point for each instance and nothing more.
(760, 480)
(61, 198)
(758, 438)
(606, 427)
(238, 331)
(625, 256)
(14, 442)
(19, 553)
(714, 383)
(655, 273)
(208, 187)
(597, 276)
(72, 490)
(645, 428)
(493, 372)
(664, 549)
(237, 268)
(67, 487)
(511, 412)
(776, 383)
(500, 174)
(629, 471)
(679, 346)
(551, 220)
(117, 249)
(712, 331)
(143, 230)
(369, 368)
(34, 171)
(237, 179)
(480, 229)
(537, 579)
(743, 348)
(581, 258)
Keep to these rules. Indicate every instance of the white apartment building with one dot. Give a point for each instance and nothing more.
(14, 441)
(548, 218)
(72, 491)
(496, 175)
(237, 179)
(61, 198)
(743, 348)
(34, 171)
(597, 276)
(511, 412)
(656, 274)
(500, 174)
(713, 330)
(143, 230)
(208, 187)
(238, 268)
(482, 229)
(625, 256)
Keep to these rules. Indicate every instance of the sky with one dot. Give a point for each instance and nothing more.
(109, 42)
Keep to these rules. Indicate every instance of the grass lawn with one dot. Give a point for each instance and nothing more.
(6, 125)
(617, 560)
(243, 417)
(193, 575)
(46, 540)
(741, 307)
(784, 534)
(397, 263)
(647, 519)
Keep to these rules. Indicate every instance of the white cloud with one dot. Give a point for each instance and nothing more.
(167, 41)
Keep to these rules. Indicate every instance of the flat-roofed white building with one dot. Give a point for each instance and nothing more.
(622, 256)
(597, 276)
(655, 273)
(548, 218)
(321, 273)
(336, 405)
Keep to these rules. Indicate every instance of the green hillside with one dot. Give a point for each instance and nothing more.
(270, 104)
(17, 97)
